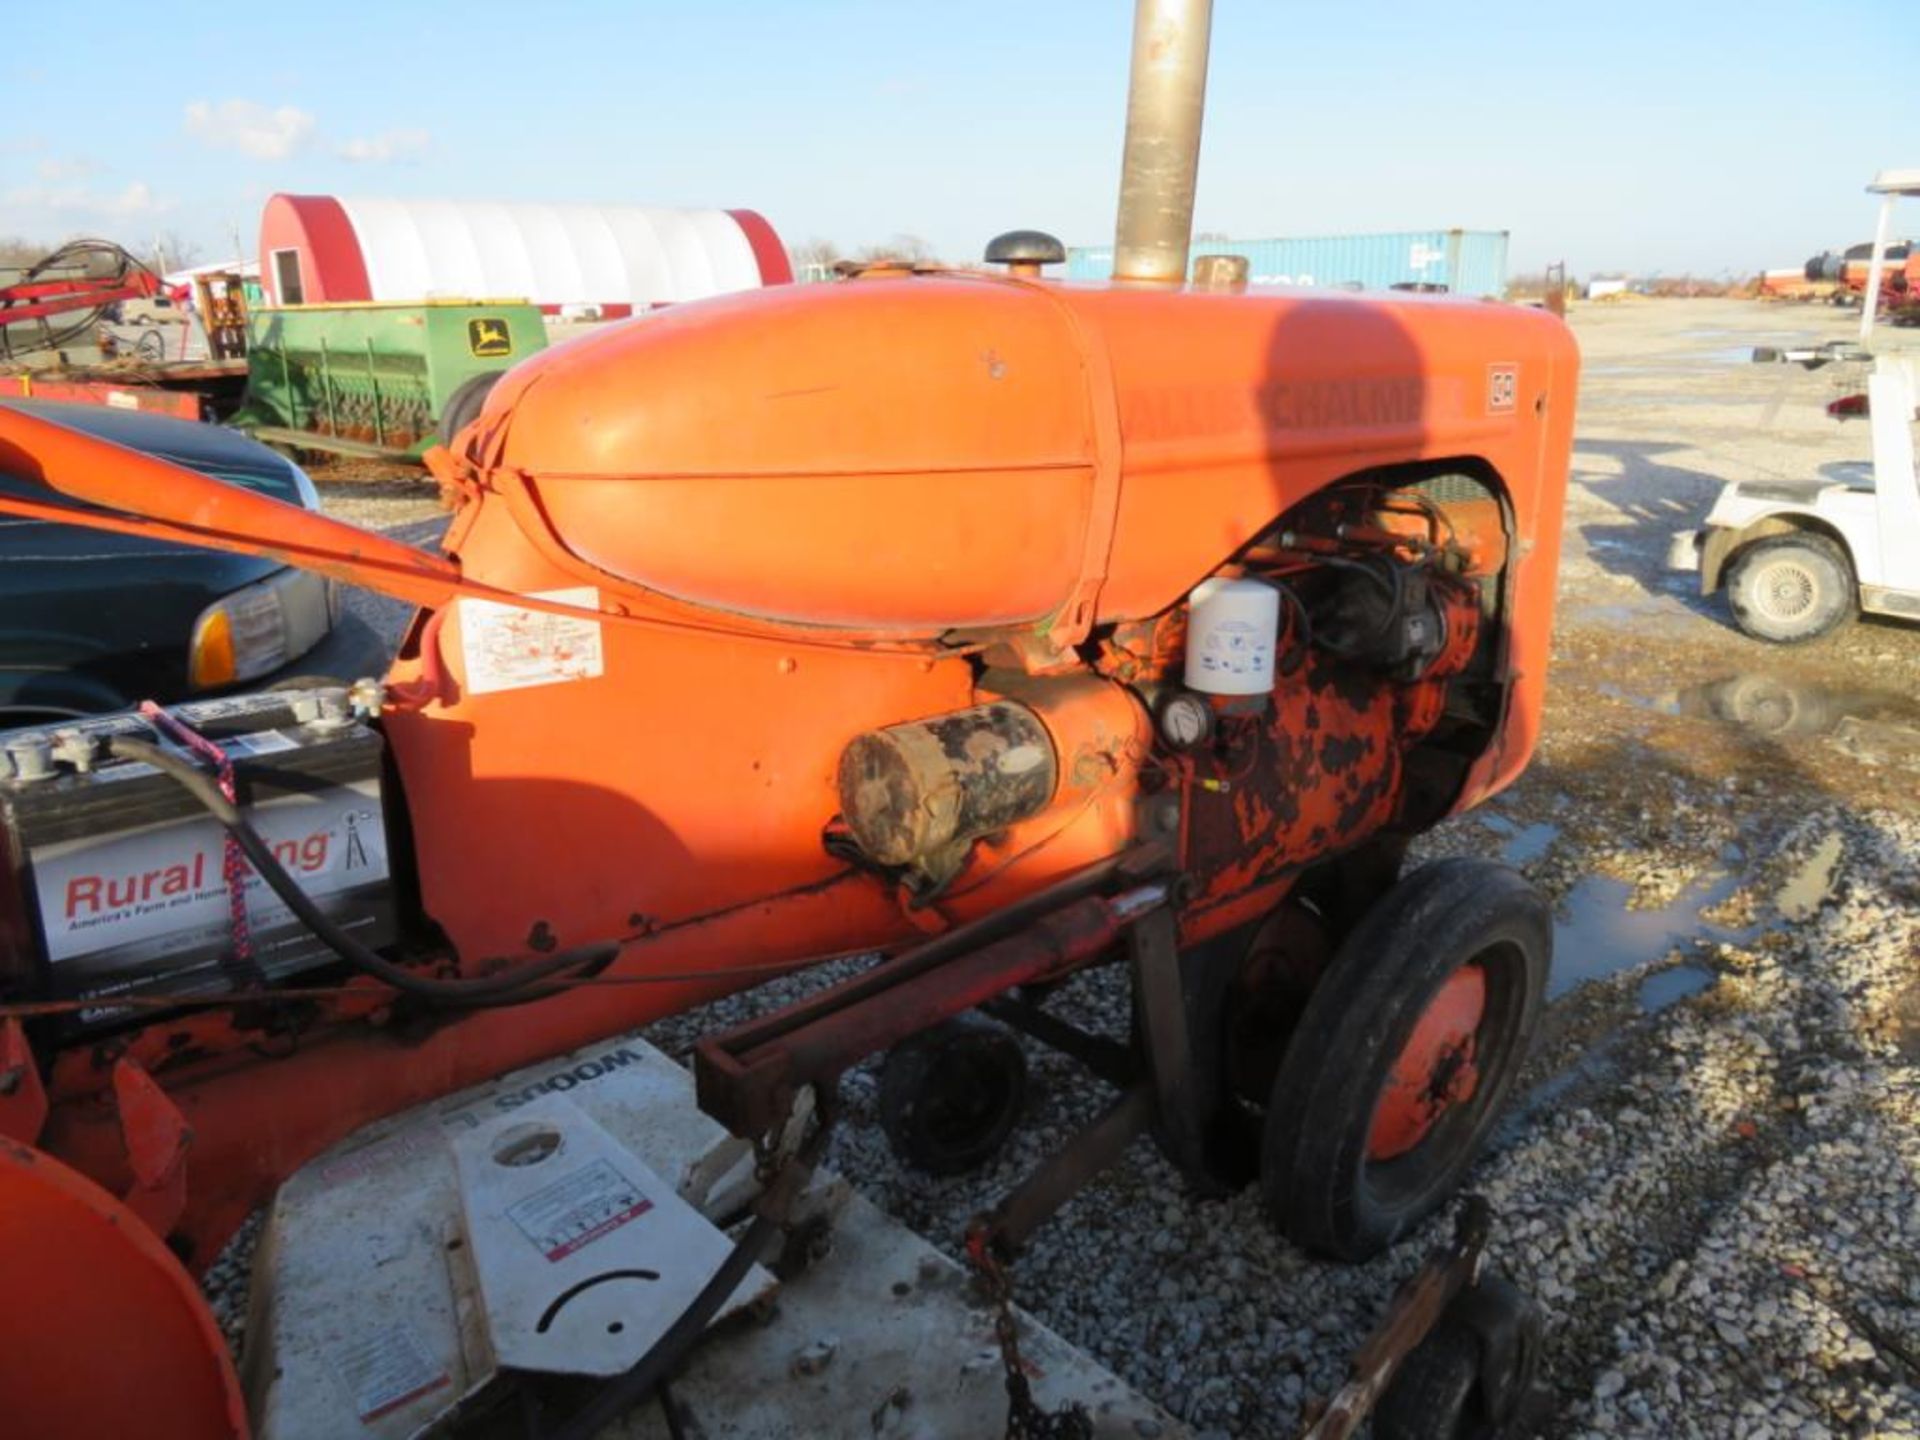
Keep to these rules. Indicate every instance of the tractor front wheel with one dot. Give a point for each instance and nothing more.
(1404, 1056)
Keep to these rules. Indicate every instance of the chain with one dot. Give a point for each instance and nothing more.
(1026, 1420)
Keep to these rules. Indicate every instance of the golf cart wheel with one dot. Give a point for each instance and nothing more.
(950, 1096)
(1791, 588)
(1467, 1380)
(1404, 1056)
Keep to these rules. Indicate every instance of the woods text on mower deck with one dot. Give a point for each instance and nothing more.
(1005, 627)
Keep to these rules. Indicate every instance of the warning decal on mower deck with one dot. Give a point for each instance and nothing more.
(385, 1369)
(507, 648)
(577, 1209)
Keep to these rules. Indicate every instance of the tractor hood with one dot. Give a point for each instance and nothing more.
(913, 453)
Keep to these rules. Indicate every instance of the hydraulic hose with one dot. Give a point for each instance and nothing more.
(507, 988)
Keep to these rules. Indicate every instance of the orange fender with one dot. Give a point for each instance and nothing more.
(101, 1330)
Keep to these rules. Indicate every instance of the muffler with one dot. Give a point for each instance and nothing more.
(1165, 98)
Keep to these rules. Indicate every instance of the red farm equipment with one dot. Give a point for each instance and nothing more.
(993, 629)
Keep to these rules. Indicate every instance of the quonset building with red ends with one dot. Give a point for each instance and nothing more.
(617, 259)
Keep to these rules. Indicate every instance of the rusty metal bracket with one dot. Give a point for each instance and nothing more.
(23, 1098)
(1057, 1180)
(157, 1138)
(1104, 1057)
(1414, 1310)
(746, 1078)
(1160, 1007)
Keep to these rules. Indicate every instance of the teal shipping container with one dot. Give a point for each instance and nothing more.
(1462, 262)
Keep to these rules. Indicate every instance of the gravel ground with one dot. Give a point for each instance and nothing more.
(1712, 1179)
(400, 500)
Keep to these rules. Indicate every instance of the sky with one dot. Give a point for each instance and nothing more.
(1705, 136)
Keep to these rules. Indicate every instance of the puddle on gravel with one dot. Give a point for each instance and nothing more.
(1807, 888)
(1530, 843)
(1525, 843)
(1873, 725)
(1668, 987)
(1595, 935)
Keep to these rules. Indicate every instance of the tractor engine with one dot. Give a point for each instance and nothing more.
(1267, 720)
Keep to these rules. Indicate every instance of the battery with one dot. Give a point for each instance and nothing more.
(113, 879)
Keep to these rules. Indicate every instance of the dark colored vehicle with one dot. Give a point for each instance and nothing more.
(91, 621)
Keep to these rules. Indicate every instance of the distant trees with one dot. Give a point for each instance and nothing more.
(17, 254)
(814, 259)
(908, 249)
(819, 259)
(170, 252)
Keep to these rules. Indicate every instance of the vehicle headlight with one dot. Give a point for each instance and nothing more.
(259, 628)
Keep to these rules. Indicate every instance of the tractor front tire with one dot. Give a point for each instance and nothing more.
(1404, 1056)
(1790, 589)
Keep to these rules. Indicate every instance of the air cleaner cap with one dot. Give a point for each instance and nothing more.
(1023, 252)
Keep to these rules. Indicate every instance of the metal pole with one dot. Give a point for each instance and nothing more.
(1880, 234)
(1165, 101)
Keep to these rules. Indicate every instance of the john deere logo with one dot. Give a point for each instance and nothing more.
(488, 339)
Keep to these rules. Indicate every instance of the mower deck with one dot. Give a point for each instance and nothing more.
(379, 1303)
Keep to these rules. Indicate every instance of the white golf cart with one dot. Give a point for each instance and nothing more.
(1800, 557)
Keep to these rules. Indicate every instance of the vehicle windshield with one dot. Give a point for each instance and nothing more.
(210, 449)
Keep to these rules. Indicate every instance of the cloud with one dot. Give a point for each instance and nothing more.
(136, 199)
(388, 145)
(37, 207)
(54, 170)
(249, 127)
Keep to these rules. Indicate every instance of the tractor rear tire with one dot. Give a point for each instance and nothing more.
(1790, 589)
(1404, 1056)
(950, 1096)
(465, 404)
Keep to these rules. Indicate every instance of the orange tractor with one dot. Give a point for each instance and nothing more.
(989, 628)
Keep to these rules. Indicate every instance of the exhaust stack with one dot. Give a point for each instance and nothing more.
(1165, 99)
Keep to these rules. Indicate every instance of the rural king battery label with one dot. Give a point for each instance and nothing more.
(577, 1209)
(112, 903)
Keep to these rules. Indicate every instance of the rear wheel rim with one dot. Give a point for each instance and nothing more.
(1786, 591)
